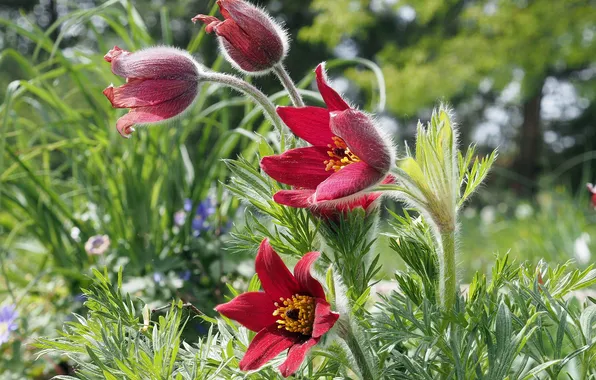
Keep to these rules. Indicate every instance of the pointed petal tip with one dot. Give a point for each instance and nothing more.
(332, 99)
(113, 54)
(109, 93)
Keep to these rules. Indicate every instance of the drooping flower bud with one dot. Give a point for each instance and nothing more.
(249, 38)
(161, 83)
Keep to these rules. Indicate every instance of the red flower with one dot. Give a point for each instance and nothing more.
(592, 190)
(348, 154)
(249, 38)
(292, 313)
(161, 83)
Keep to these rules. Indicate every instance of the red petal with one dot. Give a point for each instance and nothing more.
(324, 318)
(300, 167)
(294, 198)
(304, 278)
(266, 345)
(309, 123)
(276, 279)
(115, 52)
(348, 181)
(153, 114)
(253, 310)
(332, 99)
(362, 137)
(143, 93)
(210, 22)
(296, 356)
(156, 63)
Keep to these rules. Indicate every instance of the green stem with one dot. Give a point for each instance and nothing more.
(288, 84)
(359, 355)
(447, 272)
(250, 90)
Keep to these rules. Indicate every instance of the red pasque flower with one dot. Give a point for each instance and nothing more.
(592, 190)
(291, 314)
(161, 83)
(348, 154)
(367, 201)
(248, 37)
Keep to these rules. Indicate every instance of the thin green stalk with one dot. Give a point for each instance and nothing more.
(447, 271)
(288, 84)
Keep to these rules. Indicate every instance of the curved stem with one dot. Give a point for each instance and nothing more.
(288, 84)
(250, 90)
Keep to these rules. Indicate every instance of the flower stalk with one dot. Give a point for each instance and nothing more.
(288, 84)
(362, 361)
(250, 90)
(447, 271)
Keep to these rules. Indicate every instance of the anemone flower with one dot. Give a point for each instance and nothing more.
(161, 83)
(291, 314)
(249, 38)
(348, 156)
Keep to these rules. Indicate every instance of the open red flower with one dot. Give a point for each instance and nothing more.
(291, 314)
(161, 83)
(248, 36)
(348, 154)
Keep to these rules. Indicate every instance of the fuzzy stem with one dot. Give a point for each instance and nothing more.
(288, 84)
(250, 90)
(447, 271)
(359, 355)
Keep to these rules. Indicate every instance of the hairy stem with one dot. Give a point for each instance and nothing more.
(359, 355)
(250, 90)
(288, 84)
(447, 271)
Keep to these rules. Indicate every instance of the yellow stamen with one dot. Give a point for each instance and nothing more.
(297, 314)
(340, 155)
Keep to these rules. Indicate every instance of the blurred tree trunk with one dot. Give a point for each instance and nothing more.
(530, 142)
(53, 11)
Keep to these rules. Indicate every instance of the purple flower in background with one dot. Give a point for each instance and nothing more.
(179, 218)
(199, 221)
(97, 245)
(8, 316)
(185, 276)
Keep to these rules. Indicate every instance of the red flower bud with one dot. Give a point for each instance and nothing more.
(248, 37)
(161, 83)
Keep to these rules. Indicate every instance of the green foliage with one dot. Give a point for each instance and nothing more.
(555, 227)
(113, 343)
(449, 48)
(519, 324)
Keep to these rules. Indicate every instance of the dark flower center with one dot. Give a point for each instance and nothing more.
(339, 155)
(297, 314)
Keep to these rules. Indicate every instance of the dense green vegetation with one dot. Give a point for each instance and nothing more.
(67, 176)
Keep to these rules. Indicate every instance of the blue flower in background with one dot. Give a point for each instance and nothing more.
(185, 276)
(158, 277)
(8, 316)
(199, 221)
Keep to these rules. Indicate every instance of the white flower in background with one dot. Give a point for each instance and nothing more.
(581, 251)
(97, 245)
(75, 233)
(523, 211)
(488, 214)
(470, 213)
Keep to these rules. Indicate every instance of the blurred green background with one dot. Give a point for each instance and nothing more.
(520, 75)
